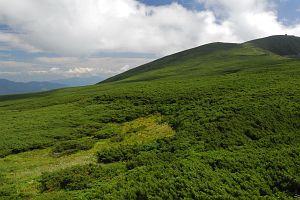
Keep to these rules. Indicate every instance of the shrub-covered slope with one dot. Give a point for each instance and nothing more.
(218, 125)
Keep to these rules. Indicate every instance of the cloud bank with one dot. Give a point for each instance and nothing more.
(76, 31)
(77, 27)
(52, 68)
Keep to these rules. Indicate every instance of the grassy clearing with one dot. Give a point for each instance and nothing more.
(23, 170)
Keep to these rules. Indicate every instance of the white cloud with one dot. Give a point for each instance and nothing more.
(9, 73)
(37, 72)
(125, 68)
(105, 65)
(15, 65)
(77, 71)
(16, 42)
(66, 72)
(76, 27)
(249, 19)
(47, 68)
(57, 60)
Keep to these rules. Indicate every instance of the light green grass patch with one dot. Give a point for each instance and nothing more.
(23, 170)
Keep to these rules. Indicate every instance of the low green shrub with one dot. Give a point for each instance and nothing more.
(137, 129)
(117, 138)
(119, 153)
(100, 135)
(77, 177)
(109, 131)
(72, 146)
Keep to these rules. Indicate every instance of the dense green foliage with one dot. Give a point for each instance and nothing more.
(77, 178)
(235, 110)
(72, 146)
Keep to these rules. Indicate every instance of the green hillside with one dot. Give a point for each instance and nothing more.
(284, 45)
(169, 61)
(221, 121)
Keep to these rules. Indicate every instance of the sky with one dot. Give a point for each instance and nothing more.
(56, 39)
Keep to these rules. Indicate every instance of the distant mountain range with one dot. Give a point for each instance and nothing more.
(11, 87)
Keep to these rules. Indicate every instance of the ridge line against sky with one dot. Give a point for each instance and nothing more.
(53, 39)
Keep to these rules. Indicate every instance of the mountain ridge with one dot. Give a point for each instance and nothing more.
(8, 87)
(284, 45)
(199, 51)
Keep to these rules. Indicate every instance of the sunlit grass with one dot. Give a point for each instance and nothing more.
(24, 169)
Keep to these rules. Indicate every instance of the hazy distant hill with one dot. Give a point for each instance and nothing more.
(11, 87)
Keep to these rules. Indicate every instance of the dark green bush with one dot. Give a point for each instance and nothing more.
(108, 131)
(119, 153)
(117, 138)
(100, 135)
(72, 146)
(77, 177)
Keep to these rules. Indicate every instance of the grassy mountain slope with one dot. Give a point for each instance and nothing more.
(280, 45)
(284, 45)
(168, 61)
(217, 125)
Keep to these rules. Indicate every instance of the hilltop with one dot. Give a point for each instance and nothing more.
(282, 45)
(220, 121)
